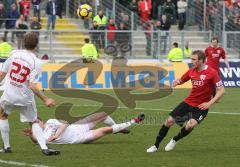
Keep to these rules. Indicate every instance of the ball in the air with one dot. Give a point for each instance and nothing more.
(84, 11)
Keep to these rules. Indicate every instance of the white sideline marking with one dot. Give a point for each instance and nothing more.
(20, 163)
(151, 109)
(225, 113)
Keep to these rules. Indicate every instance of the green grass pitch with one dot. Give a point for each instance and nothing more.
(215, 143)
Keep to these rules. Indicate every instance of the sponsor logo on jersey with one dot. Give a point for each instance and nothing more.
(215, 55)
(197, 83)
(202, 77)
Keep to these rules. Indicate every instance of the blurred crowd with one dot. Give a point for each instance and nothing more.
(20, 15)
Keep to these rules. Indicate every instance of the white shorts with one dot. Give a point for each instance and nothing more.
(28, 113)
(83, 133)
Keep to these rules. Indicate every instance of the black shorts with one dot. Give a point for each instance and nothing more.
(184, 112)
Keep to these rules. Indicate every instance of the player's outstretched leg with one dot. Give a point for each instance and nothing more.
(38, 133)
(100, 132)
(50, 152)
(119, 127)
(186, 130)
(4, 129)
(161, 134)
(109, 121)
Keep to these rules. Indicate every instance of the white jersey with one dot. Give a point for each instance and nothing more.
(73, 134)
(22, 68)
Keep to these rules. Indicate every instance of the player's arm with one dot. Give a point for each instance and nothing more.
(59, 131)
(2, 75)
(33, 80)
(48, 101)
(225, 60)
(182, 80)
(5, 68)
(219, 94)
(227, 63)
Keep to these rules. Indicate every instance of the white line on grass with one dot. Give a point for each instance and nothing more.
(20, 163)
(151, 109)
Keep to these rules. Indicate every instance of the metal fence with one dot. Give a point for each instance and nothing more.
(66, 45)
(232, 43)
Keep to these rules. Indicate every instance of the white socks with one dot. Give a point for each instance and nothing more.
(119, 127)
(4, 128)
(109, 121)
(38, 134)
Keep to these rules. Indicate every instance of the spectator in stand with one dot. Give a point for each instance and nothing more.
(144, 8)
(175, 54)
(169, 10)
(51, 11)
(237, 21)
(60, 5)
(21, 24)
(36, 9)
(164, 26)
(211, 15)
(111, 36)
(156, 37)
(123, 39)
(133, 6)
(89, 52)
(5, 49)
(228, 3)
(160, 4)
(235, 9)
(148, 27)
(182, 6)
(12, 16)
(2, 14)
(25, 8)
(175, 5)
(95, 35)
(123, 18)
(199, 13)
(101, 20)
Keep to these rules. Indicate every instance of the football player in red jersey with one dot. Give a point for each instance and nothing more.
(194, 108)
(214, 53)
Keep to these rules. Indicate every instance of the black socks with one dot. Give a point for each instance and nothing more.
(162, 133)
(182, 134)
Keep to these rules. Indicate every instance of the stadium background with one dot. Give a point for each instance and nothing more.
(215, 142)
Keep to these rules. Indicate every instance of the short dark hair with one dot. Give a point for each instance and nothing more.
(215, 39)
(86, 40)
(175, 44)
(201, 55)
(31, 40)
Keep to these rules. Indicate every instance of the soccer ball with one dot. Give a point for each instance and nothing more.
(84, 11)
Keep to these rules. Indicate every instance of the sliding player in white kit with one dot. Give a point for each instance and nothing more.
(22, 71)
(60, 132)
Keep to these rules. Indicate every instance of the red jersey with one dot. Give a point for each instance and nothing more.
(203, 84)
(213, 56)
